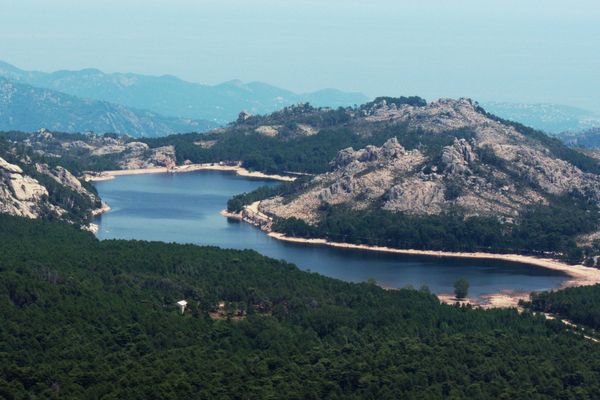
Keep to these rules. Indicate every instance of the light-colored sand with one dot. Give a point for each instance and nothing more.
(503, 299)
(239, 170)
(579, 275)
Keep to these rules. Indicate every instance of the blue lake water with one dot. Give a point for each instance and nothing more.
(184, 208)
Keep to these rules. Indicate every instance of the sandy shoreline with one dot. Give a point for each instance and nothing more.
(580, 275)
(239, 170)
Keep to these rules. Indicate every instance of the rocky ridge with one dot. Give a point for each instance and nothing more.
(489, 169)
(28, 196)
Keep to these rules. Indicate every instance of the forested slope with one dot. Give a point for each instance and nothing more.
(580, 305)
(88, 319)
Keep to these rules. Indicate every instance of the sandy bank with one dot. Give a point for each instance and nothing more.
(579, 275)
(239, 170)
(503, 299)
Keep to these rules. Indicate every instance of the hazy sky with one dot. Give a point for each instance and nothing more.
(526, 50)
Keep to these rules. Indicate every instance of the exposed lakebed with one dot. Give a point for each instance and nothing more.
(184, 208)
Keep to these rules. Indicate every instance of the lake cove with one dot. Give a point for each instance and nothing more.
(184, 208)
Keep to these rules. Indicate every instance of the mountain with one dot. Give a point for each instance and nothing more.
(588, 139)
(397, 172)
(172, 96)
(28, 108)
(445, 175)
(468, 153)
(35, 189)
(551, 118)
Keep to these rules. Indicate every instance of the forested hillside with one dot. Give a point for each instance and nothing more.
(89, 319)
(580, 305)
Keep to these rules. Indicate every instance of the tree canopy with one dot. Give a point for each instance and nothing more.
(83, 318)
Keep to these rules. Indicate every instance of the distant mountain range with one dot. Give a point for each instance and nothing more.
(589, 139)
(28, 108)
(169, 95)
(550, 118)
(114, 101)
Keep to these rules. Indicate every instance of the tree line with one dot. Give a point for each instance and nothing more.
(83, 318)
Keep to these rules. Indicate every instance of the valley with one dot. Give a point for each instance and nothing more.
(267, 200)
(185, 208)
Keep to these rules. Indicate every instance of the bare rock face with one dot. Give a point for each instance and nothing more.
(142, 157)
(20, 194)
(415, 196)
(359, 177)
(9, 168)
(458, 157)
(268, 130)
(65, 178)
(516, 171)
(243, 116)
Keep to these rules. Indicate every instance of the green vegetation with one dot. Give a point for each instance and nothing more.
(461, 288)
(310, 154)
(237, 202)
(580, 305)
(541, 229)
(76, 205)
(556, 147)
(415, 101)
(89, 319)
(76, 160)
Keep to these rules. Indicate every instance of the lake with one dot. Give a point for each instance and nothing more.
(184, 208)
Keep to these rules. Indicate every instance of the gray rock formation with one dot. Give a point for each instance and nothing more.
(24, 195)
(516, 170)
(20, 194)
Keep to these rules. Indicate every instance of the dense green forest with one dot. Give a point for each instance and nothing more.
(539, 230)
(293, 151)
(310, 154)
(88, 319)
(578, 304)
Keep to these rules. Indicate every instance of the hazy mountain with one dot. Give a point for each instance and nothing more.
(169, 95)
(27, 108)
(551, 118)
(589, 139)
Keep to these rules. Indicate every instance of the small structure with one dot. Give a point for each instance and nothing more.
(182, 304)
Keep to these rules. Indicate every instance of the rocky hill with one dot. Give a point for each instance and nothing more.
(28, 108)
(168, 95)
(488, 168)
(460, 177)
(445, 175)
(34, 189)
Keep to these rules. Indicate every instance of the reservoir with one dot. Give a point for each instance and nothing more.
(184, 208)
